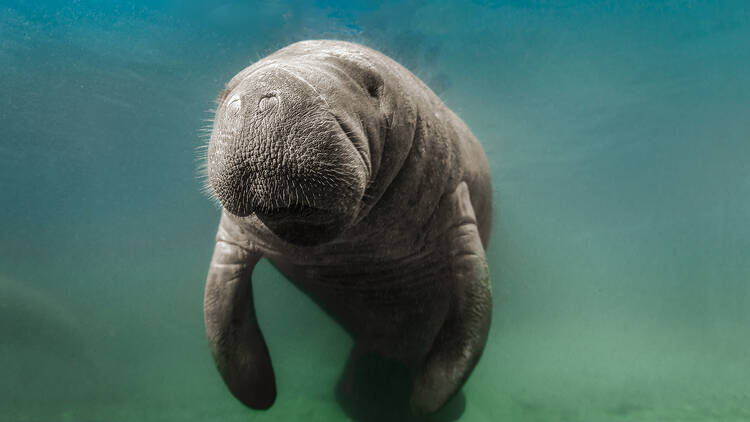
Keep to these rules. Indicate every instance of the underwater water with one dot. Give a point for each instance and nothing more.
(618, 134)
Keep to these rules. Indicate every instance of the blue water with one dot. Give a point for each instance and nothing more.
(618, 134)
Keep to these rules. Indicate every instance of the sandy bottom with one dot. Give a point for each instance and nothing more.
(567, 372)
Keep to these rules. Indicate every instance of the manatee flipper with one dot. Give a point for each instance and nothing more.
(461, 339)
(236, 341)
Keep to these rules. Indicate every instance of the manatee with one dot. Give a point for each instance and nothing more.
(361, 187)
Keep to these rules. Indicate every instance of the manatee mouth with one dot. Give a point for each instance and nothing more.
(301, 225)
(296, 213)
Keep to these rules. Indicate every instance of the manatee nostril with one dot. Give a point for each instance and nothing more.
(234, 104)
(268, 102)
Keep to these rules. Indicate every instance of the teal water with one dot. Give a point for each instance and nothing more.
(618, 135)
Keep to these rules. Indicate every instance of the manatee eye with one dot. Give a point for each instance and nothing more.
(373, 84)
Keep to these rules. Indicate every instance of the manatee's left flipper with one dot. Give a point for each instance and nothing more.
(460, 341)
(232, 329)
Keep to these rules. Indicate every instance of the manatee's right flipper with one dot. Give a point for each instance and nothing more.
(236, 342)
(460, 341)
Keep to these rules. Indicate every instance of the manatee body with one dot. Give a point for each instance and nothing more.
(354, 179)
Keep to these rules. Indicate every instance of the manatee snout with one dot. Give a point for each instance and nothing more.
(278, 149)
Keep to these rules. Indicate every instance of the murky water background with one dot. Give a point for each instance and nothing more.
(618, 135)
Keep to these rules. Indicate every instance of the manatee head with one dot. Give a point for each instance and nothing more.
(292, 142)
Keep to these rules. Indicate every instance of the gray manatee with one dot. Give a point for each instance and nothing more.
(354, 179)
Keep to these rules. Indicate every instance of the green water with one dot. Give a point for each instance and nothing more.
(618, 134)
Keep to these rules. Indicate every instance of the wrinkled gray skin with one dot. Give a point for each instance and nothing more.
(353, 178)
